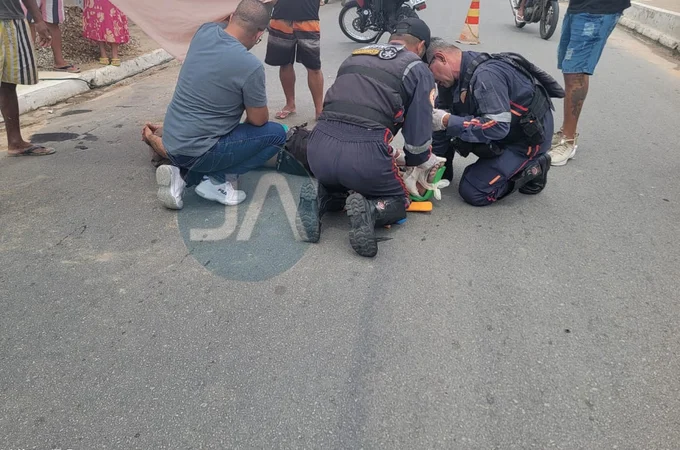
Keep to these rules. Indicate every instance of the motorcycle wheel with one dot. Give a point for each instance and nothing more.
(549, 19)
(514, 15)
(352, 13)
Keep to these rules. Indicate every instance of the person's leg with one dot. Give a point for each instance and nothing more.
(287, 78)
(368, 167)
(103, 57)
(441, 146)
(328, 195)
(115, 59)
(281, 46)
(490, 179)
(17, 66)
(589, 35)
(308, 35)
(520, 10)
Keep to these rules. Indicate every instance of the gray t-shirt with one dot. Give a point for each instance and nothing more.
(218, 79)
(11, 10)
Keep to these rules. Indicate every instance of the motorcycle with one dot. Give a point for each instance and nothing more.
(544, 12)
(362, 22)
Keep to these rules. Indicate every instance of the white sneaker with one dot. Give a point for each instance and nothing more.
(221, 193)
(563, 152)
(557, 138)
(170, 186)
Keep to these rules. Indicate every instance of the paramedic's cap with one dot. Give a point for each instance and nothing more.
(416, 28)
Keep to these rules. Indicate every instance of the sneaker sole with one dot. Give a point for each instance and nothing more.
(361, 234)
(164, 182)
(307, 218)
(571, 156)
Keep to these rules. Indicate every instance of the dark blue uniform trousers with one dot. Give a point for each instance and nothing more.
(487, 180)
(347, 157)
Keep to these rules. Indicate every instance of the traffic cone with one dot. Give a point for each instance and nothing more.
(470, 33)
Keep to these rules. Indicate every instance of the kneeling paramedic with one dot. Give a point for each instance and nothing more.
(379, 90)
(498, 108)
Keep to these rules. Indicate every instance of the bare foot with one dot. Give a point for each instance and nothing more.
(30, 150)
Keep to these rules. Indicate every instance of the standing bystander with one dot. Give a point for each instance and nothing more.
(52, 13)
(104, 23)
(295, 35)
(585, 30)
(17, 66)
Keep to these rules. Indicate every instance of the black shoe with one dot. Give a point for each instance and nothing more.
(308, 220)
(365, 215)
(362, 225)
(537, 184)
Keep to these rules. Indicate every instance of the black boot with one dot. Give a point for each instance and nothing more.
(365, 215)
(313, 205)
(540, 176)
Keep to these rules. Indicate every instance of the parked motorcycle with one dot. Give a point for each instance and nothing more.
(544, 12)
(362, 22)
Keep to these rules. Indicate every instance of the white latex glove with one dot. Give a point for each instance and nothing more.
(415, 175)
(438, 119)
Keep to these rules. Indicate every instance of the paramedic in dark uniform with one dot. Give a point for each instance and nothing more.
(489, 106)
(379, 90)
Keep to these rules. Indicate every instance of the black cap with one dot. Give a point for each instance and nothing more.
(416, 28)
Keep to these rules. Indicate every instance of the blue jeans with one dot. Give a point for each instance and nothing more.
(583, 39)
(246, 148)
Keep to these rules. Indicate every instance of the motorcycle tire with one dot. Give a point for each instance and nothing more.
(352, 5)
(549, 19)
(518, 24)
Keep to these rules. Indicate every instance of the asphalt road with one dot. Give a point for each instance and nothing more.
(539, 322)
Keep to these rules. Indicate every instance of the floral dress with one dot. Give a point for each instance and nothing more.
(103, 22)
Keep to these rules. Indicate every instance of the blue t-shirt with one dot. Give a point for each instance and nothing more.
(218, 79)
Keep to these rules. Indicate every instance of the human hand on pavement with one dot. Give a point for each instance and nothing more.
(438, 116)
(44, 38)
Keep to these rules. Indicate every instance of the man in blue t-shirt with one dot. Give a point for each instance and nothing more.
(203, 135)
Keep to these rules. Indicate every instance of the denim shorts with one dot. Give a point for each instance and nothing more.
(583, 39)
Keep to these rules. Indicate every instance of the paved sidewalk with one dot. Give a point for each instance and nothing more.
(670, 5)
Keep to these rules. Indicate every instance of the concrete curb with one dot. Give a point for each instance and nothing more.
(52, 91)
(658, 24)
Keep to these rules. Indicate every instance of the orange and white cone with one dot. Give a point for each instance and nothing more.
(470, 33)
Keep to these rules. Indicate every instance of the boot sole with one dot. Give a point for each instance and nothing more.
(361, 234)
(164, 182)
(307, 218)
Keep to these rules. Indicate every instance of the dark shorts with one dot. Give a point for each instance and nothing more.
(346, 157)
(583, 39)
(294, 41)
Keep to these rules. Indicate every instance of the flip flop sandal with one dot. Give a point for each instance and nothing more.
(283, 114)
(34, 150)
(115, 62)
(70, 68)
(104, 61)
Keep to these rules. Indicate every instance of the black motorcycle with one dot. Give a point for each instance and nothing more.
(362, 22)
(544, 12)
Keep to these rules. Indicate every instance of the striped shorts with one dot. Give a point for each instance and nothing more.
(17, 61)
(291, 41)
(52, 11)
